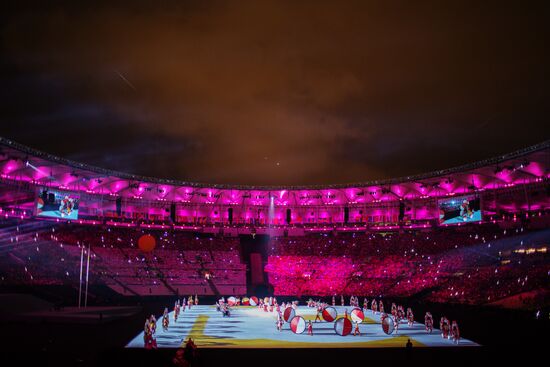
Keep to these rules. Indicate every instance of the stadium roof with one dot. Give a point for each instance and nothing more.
(531, 164)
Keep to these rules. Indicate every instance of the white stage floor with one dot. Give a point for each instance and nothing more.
(250, 327)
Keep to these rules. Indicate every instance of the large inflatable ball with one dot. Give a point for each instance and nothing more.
(387, 325)
(245, 301)
(342, 326)
(288, 314)
(329, 314)
(298, 324)
(232, 301)
(253, 301)
(357, 315)
(147, 243)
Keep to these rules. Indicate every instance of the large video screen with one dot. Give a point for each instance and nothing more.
(462, 209)
(57, 204)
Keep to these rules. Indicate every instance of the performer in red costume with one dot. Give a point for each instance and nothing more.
(280, 322)
(319, 311)
(149, 333)
(455, 332)
(381, 306)
(356, 331)
(445, 327)
(393, 310)
(429, 322)
(410, 317)
(165, 320)
(374, 306)
(309, 328)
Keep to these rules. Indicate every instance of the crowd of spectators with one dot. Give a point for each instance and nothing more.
(473, 264)
(454, 264)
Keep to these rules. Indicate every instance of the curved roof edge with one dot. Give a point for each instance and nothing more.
(128, 176)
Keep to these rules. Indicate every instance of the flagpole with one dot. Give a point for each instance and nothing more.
(87, 273)
(80, 282)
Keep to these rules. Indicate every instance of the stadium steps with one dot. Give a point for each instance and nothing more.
(160, 276)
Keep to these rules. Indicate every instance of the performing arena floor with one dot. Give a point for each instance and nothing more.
(250, 327)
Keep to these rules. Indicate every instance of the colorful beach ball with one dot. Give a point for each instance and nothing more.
(357, 315)
(231, 301)
(147, 243)
(387, 325)
(298, 324)
(329, 314)
(253, 301)
(342, 326)
(288, 314)
(245, 301)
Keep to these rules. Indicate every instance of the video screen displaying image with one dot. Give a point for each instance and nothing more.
(57, 204)
(463, 209)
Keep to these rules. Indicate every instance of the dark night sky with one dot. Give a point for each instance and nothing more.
(276, 92)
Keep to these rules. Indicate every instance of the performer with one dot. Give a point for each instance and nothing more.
(429, 322)
(153, 324)
(183, 304)
(400, 312)
(309, 328)
(149, 332)
(196, 300)
(346, 313)
(381, 306)
(444, 326)
(318, 316)
(280, 322)
(365, 304)
(410, 317)
(342, 300)
(176, 311)
(333, 301)
(455, 332)
(146, 326)
(393, 310)
(190, 302)
(374, 306)
(396, 322)
(356, 331)
(165, 320)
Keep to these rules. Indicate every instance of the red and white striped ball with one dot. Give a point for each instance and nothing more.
(357, 315)
(298, 324)
(329, 314)
(288, 314)
(342, 326)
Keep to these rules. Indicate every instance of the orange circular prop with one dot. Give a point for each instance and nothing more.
(147, 243)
